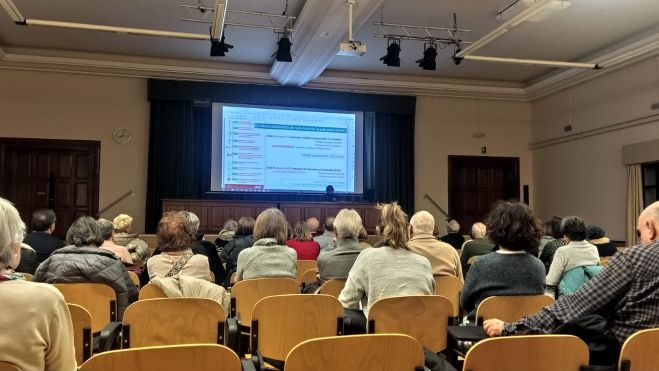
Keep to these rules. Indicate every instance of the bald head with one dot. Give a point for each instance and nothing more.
(422, 222)
(648, 224)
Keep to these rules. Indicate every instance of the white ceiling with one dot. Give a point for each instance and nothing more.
(573, 34)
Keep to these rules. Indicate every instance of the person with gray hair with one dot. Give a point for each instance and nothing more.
(83, 262)
(337, 262)
(477, 246)
(227, 233)
(326, 240)
(37, 333)
(206, 248)
(444, 259)
(453, 237)
(106, 231)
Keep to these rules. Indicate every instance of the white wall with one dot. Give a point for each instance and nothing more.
(586, 176)
(85, 107)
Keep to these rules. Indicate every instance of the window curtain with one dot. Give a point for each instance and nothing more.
(634, 201)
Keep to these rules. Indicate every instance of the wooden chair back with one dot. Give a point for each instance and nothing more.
(604, 261)
(151, 291)
(303, 266)
(281, 322)
(82, 332)
(28, 277)
(511, 308)
(333, 287)
(522, 353)
(172, 321)
(198, 357)
(383, 352)
(450, 288)
(246, 293)
(98, 299)
(423, 317)
(310, 276)
(640, 351)
(4, 366)
(135, 278)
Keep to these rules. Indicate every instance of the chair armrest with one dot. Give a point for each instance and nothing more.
(109, 337)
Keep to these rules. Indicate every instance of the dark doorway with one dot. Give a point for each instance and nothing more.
(62, 175)
(476, 183)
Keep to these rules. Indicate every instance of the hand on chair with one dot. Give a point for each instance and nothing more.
(493, 327)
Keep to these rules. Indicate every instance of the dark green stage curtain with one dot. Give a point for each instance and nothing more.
(179, 149)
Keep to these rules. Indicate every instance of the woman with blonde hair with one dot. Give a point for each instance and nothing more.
(37, 333)
(389, 270)
(138, 248)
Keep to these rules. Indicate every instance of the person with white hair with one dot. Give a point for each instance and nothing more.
(337, 262)
(37, 333)
(444, 259)
(453, 237)
(477, 246)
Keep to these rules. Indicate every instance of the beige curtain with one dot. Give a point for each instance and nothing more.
(634, 201)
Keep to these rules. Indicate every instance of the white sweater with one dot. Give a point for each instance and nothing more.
(574, 254)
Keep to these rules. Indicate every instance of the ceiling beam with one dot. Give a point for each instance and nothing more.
(320, 27)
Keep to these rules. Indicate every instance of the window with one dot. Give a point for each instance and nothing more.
(650, 183)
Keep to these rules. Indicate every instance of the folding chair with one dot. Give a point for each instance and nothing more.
(510, 308)
(640, 351)
(308, 277)
(151, 291)
(82, 332)
(303, 266)
(333, 287)
(135, 278)
(450, 288)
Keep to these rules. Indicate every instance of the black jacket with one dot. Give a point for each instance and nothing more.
(43, 243)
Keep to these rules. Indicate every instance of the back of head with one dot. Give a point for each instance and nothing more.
(174, 233)
(192, 220)
(574, 228)
(11, 232)
(230, 225)
(394, 219)
(42, 219)
(106, 227)
(422, 222)
(85, 231)
(348, 225)
(329, 224)
(453, 226)
(271, 223)
(513, 225)
(122, 223)
(313, 224)
(301, 232)
(556, 226)
(245, 226)
(594, 232)
(478, 230)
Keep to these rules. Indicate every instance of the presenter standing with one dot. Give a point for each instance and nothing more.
(329, 194)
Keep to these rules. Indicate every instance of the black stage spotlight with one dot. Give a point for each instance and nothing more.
(219, 48)
(429, 55)
(392, 59)
(284, 50)
(455, 58)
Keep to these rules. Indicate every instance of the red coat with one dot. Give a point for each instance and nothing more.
(306, 250)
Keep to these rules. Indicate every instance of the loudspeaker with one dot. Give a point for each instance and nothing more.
(369, 195)
(526, 194)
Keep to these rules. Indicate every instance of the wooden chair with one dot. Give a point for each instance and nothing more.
(82, 332)
(510, 308)
(604, 261)
(151, 291)
(246, 293)
(28, 277)
(135, 278)
(303, 266)
(172, 321)
(640, 351)
(423, 317)
(98, 299)
(281, 322)
(523, 353)
(386, 352)
(450, 288)
(333, 287)
(308, 277)
(4, 366)
(198, 357)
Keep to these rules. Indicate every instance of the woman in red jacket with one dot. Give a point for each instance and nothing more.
(303, 243)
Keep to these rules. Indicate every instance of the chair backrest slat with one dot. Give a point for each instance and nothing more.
(511, 308)
(96, 298)
(333, 287)
(82, 332)
(151, 291)
(640, 351)
(450, 288)
(247, 293)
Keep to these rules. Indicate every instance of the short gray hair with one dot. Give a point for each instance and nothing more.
(106, 227)
(192, 220)
(478, 230)
(85, 231)
(347, 224)
(423, 222)
(11, 231)
(453, 226)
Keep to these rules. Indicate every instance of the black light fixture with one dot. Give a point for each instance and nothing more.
(429, 54)
(392, 59)
(455, 57)
(219, 48)
(284, 49)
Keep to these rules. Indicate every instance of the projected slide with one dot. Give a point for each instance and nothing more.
(282, 150)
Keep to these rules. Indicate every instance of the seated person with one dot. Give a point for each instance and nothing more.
(174, 237)
(243, 239)
(302, 242)
(269, 256)
(326, 240)
(227, 233)
(577, 253)
(138, 248)
(313, 225)
(337, 263)
(444, 259)
(83, 262)
(550, 247)
(120, 251)
(37, 333)
(478, 245)
(453, 237)
(510, 270)
(597, 236)
(41, 238)
(207, 248)
(28, 262)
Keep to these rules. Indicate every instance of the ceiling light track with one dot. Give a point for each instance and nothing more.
(533, 62)
(114, 29)
(241, 18)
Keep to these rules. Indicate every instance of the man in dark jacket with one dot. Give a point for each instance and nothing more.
(41, 238)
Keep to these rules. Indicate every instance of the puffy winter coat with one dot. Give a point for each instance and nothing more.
(576, 277)
(89, 264)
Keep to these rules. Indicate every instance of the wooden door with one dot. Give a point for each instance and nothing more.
(476, 183)
(58, 174)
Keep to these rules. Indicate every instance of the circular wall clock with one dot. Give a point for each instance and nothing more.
(121, 135)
